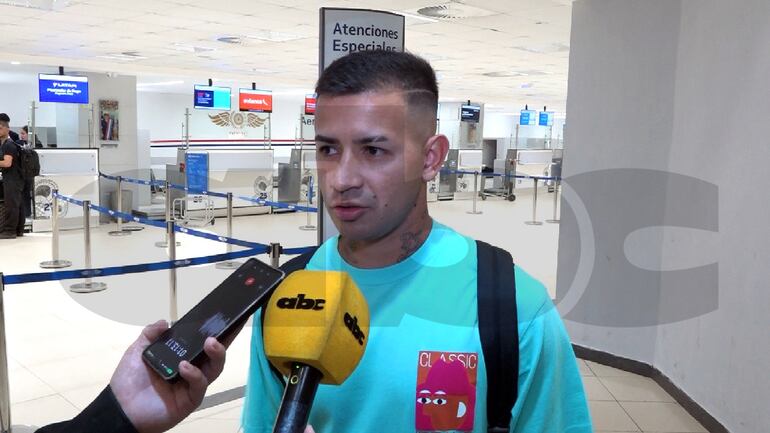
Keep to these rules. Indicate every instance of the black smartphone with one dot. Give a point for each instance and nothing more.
(230, 304)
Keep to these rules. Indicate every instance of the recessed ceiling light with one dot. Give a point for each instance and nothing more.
(125, 56)
(46, 5)
(416, 16)
(233, 40)
(454, 10)
(15, 63)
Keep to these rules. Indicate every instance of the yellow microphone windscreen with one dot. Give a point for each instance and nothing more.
(320, 319)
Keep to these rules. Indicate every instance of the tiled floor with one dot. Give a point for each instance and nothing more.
(63, 347)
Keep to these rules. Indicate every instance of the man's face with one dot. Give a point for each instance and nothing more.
(4, 130)
(23, 134)
(370, 162)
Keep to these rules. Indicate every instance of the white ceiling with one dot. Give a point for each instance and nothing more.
(516, 55)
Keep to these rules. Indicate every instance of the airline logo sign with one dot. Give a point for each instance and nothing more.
(310, 104)
(346, 31)
(260, 101)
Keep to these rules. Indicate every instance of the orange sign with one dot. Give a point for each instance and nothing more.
(260, 101)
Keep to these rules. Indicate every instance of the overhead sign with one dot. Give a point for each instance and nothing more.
(527, 117)
(546, 118)
(212, 97)
(260, 101)
(310, 104)
(345, 31)
(63, 88)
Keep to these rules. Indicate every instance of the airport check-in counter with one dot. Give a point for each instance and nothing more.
(244, 172)
(533, 163)
(468, 160)
(74, 173)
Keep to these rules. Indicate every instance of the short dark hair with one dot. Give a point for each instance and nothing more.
(25, 128)
(364, 71)
(4, 117)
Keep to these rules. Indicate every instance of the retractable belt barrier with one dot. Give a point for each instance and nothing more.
(162, 225)
(258, 201)
(131, 269)
(516, 176)
(253, 249)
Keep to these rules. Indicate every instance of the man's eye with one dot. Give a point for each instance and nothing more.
(326, 150)
(374, 151)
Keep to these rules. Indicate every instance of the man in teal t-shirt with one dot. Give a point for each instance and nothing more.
(423, 369)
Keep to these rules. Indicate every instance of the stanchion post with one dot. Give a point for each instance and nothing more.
(475, 193)
(171, 234)
(119, 230)
(555, 219)
(5, 395)
(309, 226)
(275, 254)
(534, 221)
(55, 262)
(167, 186)
(230, 264)
(88, 286)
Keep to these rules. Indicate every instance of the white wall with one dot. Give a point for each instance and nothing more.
(18, 93)
(163, 115)
(657, 85)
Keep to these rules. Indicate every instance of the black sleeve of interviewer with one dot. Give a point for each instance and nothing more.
(103, 415)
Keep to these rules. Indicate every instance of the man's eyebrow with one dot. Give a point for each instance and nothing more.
(370, 140)
(325, 139)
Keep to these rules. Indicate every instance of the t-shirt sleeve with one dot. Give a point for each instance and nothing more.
(551, 398)
(263, 391)
(9, 148)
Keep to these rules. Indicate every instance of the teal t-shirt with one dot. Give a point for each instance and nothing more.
(423, 368)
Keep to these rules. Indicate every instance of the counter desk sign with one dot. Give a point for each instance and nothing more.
(346, 31)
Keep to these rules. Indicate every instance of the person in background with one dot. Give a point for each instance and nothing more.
(14, 136)
(13, 184)
(24, 137)
(29, 184)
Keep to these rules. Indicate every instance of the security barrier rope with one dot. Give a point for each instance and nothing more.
(253, 249)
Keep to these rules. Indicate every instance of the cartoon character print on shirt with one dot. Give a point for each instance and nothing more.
(446, 392)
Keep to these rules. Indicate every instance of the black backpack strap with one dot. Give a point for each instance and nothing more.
(295, 264)
(499, 332)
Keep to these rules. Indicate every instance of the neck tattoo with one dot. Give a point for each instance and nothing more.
(410, 242)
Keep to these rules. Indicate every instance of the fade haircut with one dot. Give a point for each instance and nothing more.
(365, 71)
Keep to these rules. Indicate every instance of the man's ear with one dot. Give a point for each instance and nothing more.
(436, 149)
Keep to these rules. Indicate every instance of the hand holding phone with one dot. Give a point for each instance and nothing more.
(152, 404)
(217, 315)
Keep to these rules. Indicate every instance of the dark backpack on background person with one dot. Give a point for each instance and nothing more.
(29, 162)
(498, 324)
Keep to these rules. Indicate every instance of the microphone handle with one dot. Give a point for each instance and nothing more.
(297, 399)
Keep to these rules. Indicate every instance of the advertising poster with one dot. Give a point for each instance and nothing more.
(109, 115)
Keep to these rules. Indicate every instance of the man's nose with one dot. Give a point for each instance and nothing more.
(346, 174)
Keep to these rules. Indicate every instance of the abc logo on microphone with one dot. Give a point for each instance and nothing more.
(317, 318)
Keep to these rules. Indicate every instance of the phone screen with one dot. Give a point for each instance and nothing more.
(236, 298)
